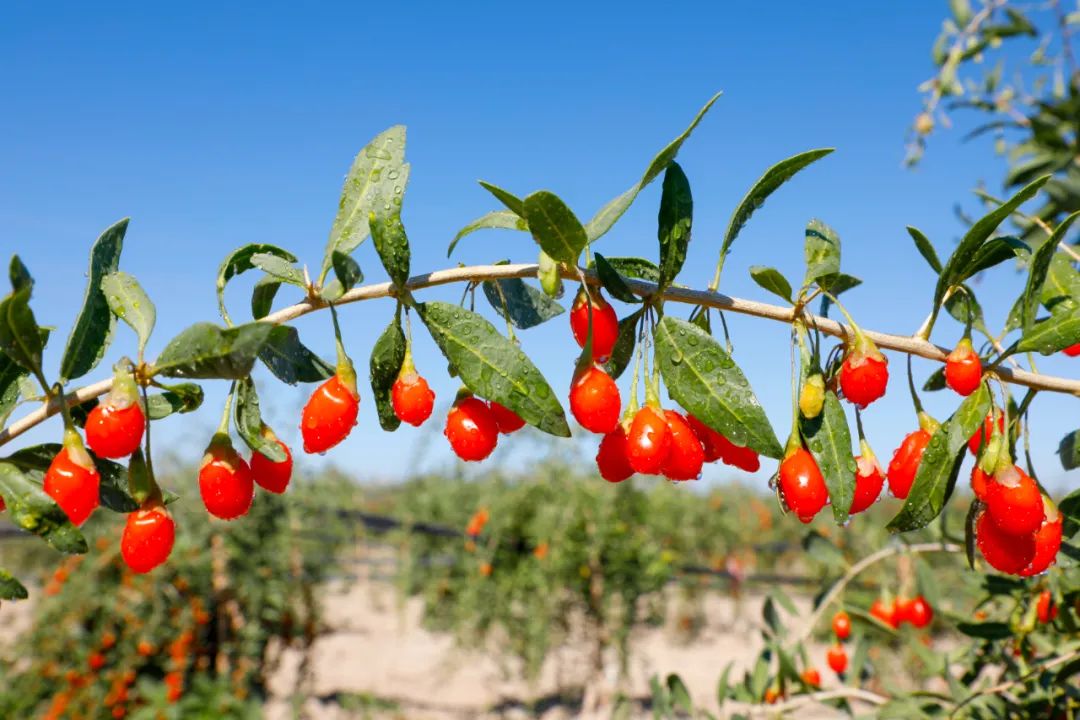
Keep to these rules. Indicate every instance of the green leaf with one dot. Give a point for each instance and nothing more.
(836, 285)
(940, 464)
(1062, 283)
(180, 398)
(387, 356)
(986, 630)
(290, 360)
(494, 220)
(679, 693)
(703, 379)
(346, 271)
(249, 422)
(32, 510)
(1057, 332)
(606, 217)
(829, 441)
(205, 350)
(962, 305)
(526, 306)
(613, 282)
(722, 685)
(20, 338)
(674, 223)
(772, 280)
(492, 366)
(129, 302)
(633, 267)
(11, 373)
(376, 172)
(239, 261)
(1038, 269)
(925, 248)
(625, 342)
(995, 251)
(822, 251)
(555, 227)
(10, 588)
(262, 296)
(389, 236)
(512, 202)
(765, 186)
(279, 268)
(94, 325)
(19, 275)
(1069, 450)
(936, 380)
(34, 461)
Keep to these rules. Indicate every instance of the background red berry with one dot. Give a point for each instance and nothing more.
(471, 429)
(841, 625)
(837, 659)
(1045, 608)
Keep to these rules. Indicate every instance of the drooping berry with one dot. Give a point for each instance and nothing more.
(917, 611)
(1004, 552)
(905, 462)
(963, 369)
(1072, 350)
(772, 694)
(72, 480)
(114, 427)
(648, 441)
(802, 486)
(886, 612)
(686, 456)
(982, 435)
(837, 659)
(812, 396)
(595, 401)
(1045, 608)
(507, 420)
(811, 677)
(1014, 502)
(841, 625)
(270, 475)
(605, 323)
(471, 429)
(148, 538)
(979, 482)
(710, 439)
(330, 414)
(225, 481)
(412, 399)
(864, 374)
(1047, 541)
(718, 447)
(869, 479)
(611, 459)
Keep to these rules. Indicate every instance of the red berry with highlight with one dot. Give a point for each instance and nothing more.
(270, 475)
(802, 486)
(648, 441)
(811, 677)
(841, 625)
(686, 455)
(1004, 552)
(963, 369)
(980, 482)
(982, 435)
(864, 377)
(412, 399)
(507, 420)
(918, 612)
(1014, 502)
(330, 414)
(605, 324)
(837, 659)
(225, 481)
(115, 432)
(73, 482)
(869, 479)
(148, 538)
(1047, 541)
(471, 429)
(905, 463)
(886, 612)
(611, 458)
(595, 401)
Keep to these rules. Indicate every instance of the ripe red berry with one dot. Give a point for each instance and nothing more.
(918, 612)
(330, 414)
(611, 458)
(648, 441)
(869, 479)
(841, 625)
(718, 447)
(1014, 503)
(864, 375)
(471, 429)
(270, 475)
(507, 420)
(1047, 541)
(905, 462)
(225, 481)
(96, 661)
(1072, 350)
(979, 483)
(963, 369)
(1004, 552)
(413, 400)
(771, 696)
(605, 323)
(983, 434)
(595, 401)
(837, 658)
(73, 481)
(686, 456)
(811, 677)
(148, 538)
(115, 432)
(886, 612)
(1045, 608)
(710, 439)
(802, 486)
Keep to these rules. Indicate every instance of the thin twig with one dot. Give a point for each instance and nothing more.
(843, 693)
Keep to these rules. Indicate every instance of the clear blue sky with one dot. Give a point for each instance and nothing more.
(216, 125)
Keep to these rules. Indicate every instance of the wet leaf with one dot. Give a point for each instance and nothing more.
(94, 325)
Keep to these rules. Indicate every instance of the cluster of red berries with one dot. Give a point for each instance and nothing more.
(894, 613)
(836, 656)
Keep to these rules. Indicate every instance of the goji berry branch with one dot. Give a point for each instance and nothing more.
(778, 709)
(478, 273)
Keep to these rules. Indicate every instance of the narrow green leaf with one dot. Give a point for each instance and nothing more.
(722, 685)
(10, 588)
(822, 250)
(180, 398)
(772, 280)
(387, 356)
(512, 202)
(613, 281)
(625, 342)
(925, 248)
(492, 366)
(606, 217)
(10, 375)
(1057, 332)
(262, 296)
(995, 251)
(555, 227)
(633, 267)
(829, 441)
(129, 302)
(1069, 450)
(936, 380)
(1038, 269)
(703, 379)
(290, 360)
(525, 305)
(836, 284)
(19, 275)
(766, 185)
(680, 694)
(94, 325)
(963, 306)
(674, 223)
(985, 630)
(494, 220)
(249, 422)
(347, 270)
(940, 464)
(239, 261)
(376, 171)
(389, 236)
(32, 510)
(205, 350)
(20, 337)
(279, 268)
(1062, 283)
